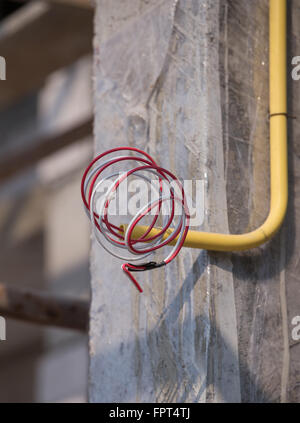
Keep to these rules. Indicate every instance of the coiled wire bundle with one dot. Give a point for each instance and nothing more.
(169, 208)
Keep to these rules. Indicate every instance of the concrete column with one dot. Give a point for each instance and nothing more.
(187, 81)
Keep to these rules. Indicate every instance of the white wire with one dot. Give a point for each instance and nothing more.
(102, 235)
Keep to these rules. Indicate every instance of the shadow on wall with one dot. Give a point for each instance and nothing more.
(166, 372)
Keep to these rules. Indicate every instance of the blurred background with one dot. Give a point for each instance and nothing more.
(46, 142)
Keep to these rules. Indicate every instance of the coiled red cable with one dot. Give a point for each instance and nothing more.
(114, 238)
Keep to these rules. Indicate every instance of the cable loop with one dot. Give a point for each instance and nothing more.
(168, 209)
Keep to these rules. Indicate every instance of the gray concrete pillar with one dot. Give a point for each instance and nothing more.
(187, 81)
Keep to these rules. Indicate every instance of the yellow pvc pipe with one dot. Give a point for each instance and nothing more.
(278, 151)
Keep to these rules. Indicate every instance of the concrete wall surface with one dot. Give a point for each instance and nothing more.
(187, 81)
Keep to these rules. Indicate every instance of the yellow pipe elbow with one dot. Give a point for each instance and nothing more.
(278, 152)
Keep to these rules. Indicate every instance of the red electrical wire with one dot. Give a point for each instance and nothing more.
(104, 229)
